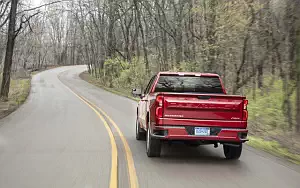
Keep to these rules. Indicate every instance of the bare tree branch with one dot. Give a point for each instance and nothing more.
(24, 21)
(44, 5)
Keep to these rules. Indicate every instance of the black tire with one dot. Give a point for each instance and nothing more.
(232, 152)
(153, 146)
(140, 134)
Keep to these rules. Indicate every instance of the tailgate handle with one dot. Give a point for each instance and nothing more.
(204, 97)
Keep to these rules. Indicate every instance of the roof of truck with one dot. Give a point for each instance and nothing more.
(189, 73)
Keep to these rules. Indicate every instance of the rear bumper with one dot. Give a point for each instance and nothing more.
(218, 134)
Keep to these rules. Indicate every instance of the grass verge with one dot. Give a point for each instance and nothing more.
(19, 91)
(273, 147)
(90, 79)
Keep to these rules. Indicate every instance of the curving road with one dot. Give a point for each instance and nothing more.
(57, 139)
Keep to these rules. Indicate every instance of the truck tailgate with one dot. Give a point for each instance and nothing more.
(203, 106)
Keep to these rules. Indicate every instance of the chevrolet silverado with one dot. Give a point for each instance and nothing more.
(193, 108)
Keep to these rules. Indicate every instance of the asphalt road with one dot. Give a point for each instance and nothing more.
(56, 139)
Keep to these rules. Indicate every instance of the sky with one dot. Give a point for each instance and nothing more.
(36, 2)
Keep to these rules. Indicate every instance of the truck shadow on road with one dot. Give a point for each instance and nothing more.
(205, 158)
(202, 154)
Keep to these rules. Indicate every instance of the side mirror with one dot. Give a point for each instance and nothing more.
(137, 93)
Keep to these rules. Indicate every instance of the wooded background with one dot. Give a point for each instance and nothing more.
(253, 44)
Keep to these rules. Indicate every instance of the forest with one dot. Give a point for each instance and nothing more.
(254, 45)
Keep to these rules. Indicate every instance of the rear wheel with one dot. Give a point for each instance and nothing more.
(232, 152)
(140, 134)
(153, 146)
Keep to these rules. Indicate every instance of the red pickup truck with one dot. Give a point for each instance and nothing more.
(193, 108)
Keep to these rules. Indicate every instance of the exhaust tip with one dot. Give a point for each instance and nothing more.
(243, 135)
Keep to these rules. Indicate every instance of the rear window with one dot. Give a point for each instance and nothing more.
(188, 84)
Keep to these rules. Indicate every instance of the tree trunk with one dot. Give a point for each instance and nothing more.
(73, 49)
(298, 98)
(39, 60)
(260, 72)
(164, 44)
(111, 39)
(192, 42)
(298, 83)
(141, 29)
(210, 19)
(179, 34)
(9, 50)
(178, 44)
(136, 43)
(273, 65)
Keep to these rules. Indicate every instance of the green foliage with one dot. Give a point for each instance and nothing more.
(19, 90)
(187, 67)
(112, 70)
(124, 75)
(92, 80)
(266, 111)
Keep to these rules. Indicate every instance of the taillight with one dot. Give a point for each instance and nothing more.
(159, 100)
(245, 115)
(159, 112)
(245, 112)
(159, 108)
(245, 104)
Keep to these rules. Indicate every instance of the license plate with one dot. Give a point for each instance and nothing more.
(202, 131)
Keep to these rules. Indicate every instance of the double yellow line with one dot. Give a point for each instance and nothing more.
(114, 151)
